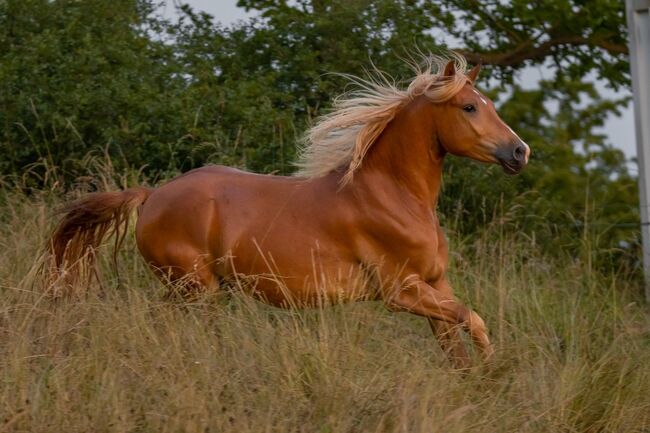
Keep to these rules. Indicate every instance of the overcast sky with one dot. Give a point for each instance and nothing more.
(620, 130)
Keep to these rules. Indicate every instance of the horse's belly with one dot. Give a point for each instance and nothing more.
(295, 274)
(297, 292)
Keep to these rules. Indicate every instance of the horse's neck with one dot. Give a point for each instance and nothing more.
(408, 155)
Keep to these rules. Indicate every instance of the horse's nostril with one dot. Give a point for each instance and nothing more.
(519, 153)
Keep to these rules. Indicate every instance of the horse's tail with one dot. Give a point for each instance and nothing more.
(86, 222)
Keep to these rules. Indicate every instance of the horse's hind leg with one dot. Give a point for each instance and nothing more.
(188, 273)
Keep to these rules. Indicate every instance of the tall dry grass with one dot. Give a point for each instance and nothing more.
(573, 351)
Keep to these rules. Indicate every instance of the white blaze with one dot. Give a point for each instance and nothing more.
(480, 96)
(522, 142)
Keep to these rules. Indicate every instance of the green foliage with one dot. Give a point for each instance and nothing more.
(79, 77)
(575, 36)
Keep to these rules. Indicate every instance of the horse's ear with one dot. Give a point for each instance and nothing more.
(450, 69)
(473, 74)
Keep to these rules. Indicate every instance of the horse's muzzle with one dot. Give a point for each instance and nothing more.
(513, 157)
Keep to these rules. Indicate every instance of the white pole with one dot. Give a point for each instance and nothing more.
(638, 22)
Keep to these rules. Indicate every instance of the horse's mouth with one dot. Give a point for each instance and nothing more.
(510, 168)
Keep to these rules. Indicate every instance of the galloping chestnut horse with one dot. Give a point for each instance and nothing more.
(358, 222)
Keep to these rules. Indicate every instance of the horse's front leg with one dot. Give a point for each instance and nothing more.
(448, 335)
(450, 341)
(416, 296)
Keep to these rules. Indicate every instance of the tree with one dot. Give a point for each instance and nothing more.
(77, 76)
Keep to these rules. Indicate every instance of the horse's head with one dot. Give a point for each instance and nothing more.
(470, 126)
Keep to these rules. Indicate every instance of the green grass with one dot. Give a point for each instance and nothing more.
(572, 351)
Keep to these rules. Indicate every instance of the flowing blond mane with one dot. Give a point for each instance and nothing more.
(343, 137)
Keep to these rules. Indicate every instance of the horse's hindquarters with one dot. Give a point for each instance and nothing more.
(173, 231)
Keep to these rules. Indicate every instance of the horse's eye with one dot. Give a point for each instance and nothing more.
(469, 108)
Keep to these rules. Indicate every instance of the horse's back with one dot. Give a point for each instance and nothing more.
(189, 208)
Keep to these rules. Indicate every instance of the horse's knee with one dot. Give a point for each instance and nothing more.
(478, 331)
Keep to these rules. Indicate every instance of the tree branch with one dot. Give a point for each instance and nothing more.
(528, 51)
(477, 7)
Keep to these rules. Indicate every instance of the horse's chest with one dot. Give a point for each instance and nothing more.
(415, 248)
(428, 250)
(430, 259)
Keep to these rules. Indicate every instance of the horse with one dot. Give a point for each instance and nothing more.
(357, 222)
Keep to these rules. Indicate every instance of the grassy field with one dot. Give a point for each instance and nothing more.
(573, 351)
